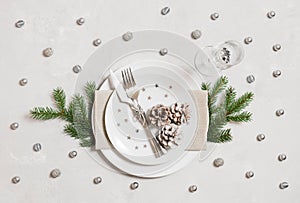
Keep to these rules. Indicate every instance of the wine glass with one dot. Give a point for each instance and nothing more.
(222, 56)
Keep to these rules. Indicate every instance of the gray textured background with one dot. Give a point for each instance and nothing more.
(53, 24)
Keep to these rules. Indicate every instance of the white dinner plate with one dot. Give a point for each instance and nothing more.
(117, 53)
(158, 83)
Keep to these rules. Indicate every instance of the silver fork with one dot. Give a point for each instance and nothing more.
(128, 79)
(129, 82)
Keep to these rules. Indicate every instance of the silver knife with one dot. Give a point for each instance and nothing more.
(117, 85)
(138, 111)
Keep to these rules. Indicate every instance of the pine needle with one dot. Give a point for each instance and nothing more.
(217, 122)
(241, 103)
(230, 95)
(245, 116)
(205, 86)
(79, 106)
(225, 136)
(59, 98)
(82, 122)
(70, 112)
(86, 143)
(70, 130)
(218, 87)
(44, 113)
(90, 89)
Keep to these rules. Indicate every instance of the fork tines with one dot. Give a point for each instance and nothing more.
(128, 80)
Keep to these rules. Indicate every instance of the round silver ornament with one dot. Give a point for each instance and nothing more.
(20, 23)
(134, 185)
(163, 51)
(80, 21)
(165, 10)
(281, 157)
(15, 179)
(97, 180)
(193, 188)
(76, 68)
(276, 47)
(14, 126)
(271, 14)
(97, 42)
(250, 78)
(248, 40)
(279, 112)
(196, 34)
(276, 73)
(127, 36)
(283, 185)
(55, 173)
(218, 162)
(214, 16)
(48, 52)
(72, 154)
(23, 82)
(249, 174)
(260, 137)
(37, 147)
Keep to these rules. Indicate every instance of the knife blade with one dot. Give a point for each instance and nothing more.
(117, 85)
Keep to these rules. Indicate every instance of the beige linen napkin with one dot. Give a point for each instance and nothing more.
(101, 99)
(199, 142)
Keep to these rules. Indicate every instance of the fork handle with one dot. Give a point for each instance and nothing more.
(156, 148)
(152, 140)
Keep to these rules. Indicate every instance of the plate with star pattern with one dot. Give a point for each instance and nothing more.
(157, 83)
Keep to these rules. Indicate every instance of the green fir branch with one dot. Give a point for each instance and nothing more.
(70, 112)
(227, 110)
(81, 121)
(218, 87)
(44, 113)
(245, 116)
(59, 98)
(87, 142)
(225, 136)
(230, 95)
(217, 122)
(79, 106)
(240, 103)
(70, 130)
(76, 114)
(90, 89)
(205, 86)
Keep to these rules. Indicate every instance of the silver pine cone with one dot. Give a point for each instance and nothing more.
(168, 136)
(179, 113)
(159, 115)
